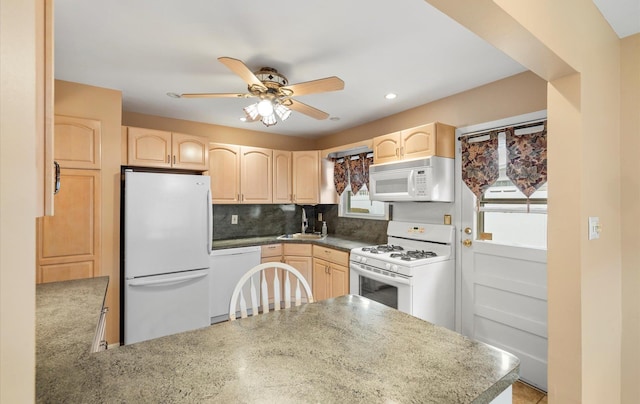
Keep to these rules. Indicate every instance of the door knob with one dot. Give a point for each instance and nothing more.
(466, 242)
(467, 230)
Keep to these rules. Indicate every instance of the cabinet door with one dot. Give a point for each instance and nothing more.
(338, 280)
(386, 148)
(256, 175)
(303, 265)
(269, 273)
(189, 152)
(418, 142)
(282, 172)
(320, 276)
(306, 177)
(68, 244)
(149, 148)
(77, 142)
(224, 170)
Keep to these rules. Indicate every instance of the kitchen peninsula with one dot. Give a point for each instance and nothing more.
(347, 349)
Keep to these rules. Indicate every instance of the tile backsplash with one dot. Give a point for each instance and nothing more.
(274, 220)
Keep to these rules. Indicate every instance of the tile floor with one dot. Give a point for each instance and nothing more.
(525, 394)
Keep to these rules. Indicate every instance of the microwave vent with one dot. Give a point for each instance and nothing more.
(401, 165)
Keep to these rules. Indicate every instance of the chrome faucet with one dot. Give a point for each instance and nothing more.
(305, 222)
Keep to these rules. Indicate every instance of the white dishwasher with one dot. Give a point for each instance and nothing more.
(227, 267)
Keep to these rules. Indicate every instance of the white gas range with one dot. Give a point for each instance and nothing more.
(414, 272)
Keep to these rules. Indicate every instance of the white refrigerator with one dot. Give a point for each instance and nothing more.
(167, 234)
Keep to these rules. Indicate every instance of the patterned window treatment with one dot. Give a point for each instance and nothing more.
(480, 164)
(527, 160)
(340, 174)
(352, 170)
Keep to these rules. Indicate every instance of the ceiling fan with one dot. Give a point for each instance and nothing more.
(274, 92)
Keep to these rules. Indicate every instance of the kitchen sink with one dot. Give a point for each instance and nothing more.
(302, 236)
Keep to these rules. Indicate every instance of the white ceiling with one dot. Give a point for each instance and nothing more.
(147, 49)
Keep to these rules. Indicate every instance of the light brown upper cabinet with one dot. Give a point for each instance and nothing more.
(306, 177)
(296, 177)
(434, 139)
(44, 82)
(224, 170)
(255, 175)
(282, 171)
(240, 174)
(156, 148)
(77, 142)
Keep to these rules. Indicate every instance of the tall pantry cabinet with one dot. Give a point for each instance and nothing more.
(68, 244)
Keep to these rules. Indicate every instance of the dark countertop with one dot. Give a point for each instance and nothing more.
(347, 349)
(338, 243)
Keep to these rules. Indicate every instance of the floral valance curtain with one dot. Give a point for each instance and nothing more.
(480, 164)
(527, 160)
(353, 170)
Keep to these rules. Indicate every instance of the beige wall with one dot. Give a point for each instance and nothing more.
(79, 100)
(584, 277)
(216, 133)
(17, 200)
(512, 96)
(630, 150)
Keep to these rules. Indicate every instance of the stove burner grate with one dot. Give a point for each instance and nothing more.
(414, 255)
(381, 249)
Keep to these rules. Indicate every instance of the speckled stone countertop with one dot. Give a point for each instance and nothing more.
(347, 349)
(67, 314)
(338, 243)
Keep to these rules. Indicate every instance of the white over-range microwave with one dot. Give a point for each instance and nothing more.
(425, 179)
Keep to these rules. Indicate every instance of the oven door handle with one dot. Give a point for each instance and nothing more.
(381, 278)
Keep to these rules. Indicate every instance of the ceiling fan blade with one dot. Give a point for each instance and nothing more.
(215, 95)
(308, 110)
(332, 83)
(239, 68)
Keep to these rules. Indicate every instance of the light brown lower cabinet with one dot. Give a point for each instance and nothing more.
(68, 244)
(296, 255)
(330, 273)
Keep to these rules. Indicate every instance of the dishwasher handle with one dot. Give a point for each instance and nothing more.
(150, 282)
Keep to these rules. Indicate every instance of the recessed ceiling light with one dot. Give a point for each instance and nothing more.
(334, 118)
(174, 95)
(390, 96)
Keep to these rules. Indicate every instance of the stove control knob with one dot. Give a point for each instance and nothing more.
(387, 265)
(363, 260)
(394, 268)
(356, 258)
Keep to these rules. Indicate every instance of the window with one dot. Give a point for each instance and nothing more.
(505, 217)
(360, 206)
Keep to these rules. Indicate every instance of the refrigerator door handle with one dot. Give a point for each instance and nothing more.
(145, 282)
(210, 223)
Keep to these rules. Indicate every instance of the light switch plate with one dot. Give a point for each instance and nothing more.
(594, 227)
(234, 219)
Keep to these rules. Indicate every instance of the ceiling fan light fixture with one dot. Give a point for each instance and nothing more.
(269, 120)
(265, 108)
(252, 111)
(282, 111)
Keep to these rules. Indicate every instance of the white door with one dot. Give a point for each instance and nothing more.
(503, 285)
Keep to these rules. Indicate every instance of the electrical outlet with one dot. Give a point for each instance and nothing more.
(594, 228)
(234, 219)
